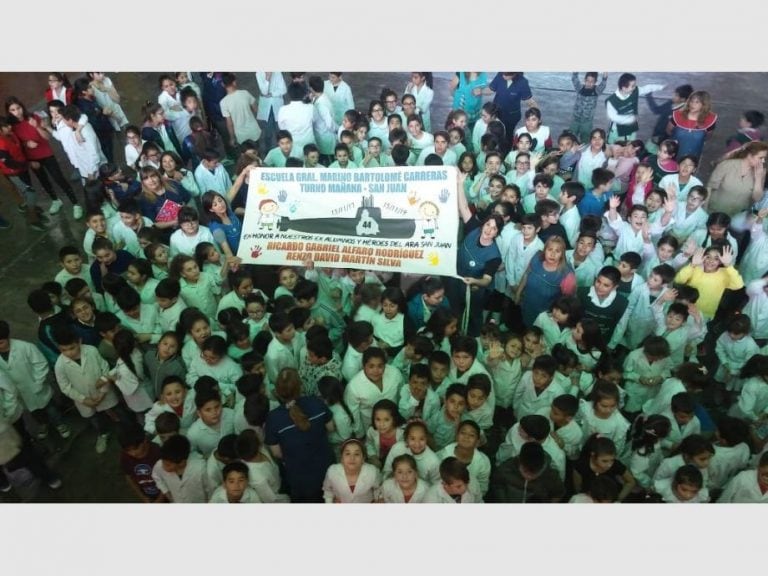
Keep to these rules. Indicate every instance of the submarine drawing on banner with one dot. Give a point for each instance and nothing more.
(367, 221)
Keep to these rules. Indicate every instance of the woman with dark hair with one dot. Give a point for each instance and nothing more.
(30, 131)
(159, 130)
(738, 181)
(692, 124)
(223, 223)
(548, 277)
(478, 260)
(296, 433)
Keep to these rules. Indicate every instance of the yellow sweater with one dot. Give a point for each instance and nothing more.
(710, 285)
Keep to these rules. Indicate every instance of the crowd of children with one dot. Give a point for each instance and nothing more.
(613, 346)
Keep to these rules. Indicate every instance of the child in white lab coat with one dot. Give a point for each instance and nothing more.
(331, 390)
(214, 362)
(405, 486)
(733, 348)
(683, 420)
(235, 488)
(685, 487)
(566, 432)
(646, 435)
(129, 374)
(414, 443)
(695, 450)
(752, 404)
(386, 429)
(353, 480)
(465, 449)
(748, 486)
(263, 474)
(418, 400)
(537, 388)
(180, 473)
(644, 371)
(732, 453)
(453, 487)
(600, 415)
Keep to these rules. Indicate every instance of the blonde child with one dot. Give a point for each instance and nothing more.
(405, 486)
(353, 480)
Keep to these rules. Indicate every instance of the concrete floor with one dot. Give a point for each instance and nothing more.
(28, 258)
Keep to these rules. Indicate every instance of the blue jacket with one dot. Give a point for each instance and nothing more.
(415, 311)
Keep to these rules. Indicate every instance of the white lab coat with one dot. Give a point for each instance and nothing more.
(264, 478)
(743, 489)
(296, 117)
(479, 468)
(361, 394)
(437, 495)
(526, 401)
(726, 463)
(28, 369)
(513, 443)
(219, 496)
(336, 486)
(78, 381)
(391, 493)
(133, 386)
(664, 489)
(272, 92)
(427, 463)
(205, 439)
(190, 488)
(226, 373)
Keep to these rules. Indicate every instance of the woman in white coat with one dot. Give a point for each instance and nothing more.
(353, 481)
(272, 88)
(26, 367)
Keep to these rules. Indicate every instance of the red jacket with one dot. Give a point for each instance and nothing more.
(69, 96)
(10, 151)
(26, 133)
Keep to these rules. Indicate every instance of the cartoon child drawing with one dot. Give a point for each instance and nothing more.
(269, 217)
(367, 226)
(429, 213)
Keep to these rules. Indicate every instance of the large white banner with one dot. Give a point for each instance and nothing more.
(393, 219)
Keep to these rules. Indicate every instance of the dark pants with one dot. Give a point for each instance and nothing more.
(510, 122)
(28, 457)
(107, 141)
(456, 292)
(49, 166)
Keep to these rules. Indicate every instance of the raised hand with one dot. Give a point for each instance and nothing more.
(690, 248)
(726, 258)
(614, 203)
(698, 257)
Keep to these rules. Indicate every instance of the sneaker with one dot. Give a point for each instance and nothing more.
(54, 483)
(63, 431)
(22, 208)
(55, 206)
(101, 443)
(4, 224)
(77, 211)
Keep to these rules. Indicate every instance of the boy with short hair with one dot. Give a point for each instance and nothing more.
(284, 349)
(239, 109)
(40, 303)
(108, 260)
(587, 94)
(342, 154)
(317, 360)
(180, 473)
(107, 325)
(733, 348)
(28, 370)
(464, 365)
(235, 488)
(439, 366)
(72, 267)
(138, 457)
(211, 175)
(682, 417)
(306, 294)
(278, 156)
(537, 388)
(549, 212)
(638, 322)
(213, 424)
(528, 477)
(571, 194)
(125, 231)
(417, 399)
(445, 422)
(479, 409)
(137, 317)
(415, 352)
(566, 432)
(189, 234)
(83, 376)
(644, 370)
(631, 234)
(169, 304)
(453, 487)
(522, 247)
(542, 186)
(595, 200)
(602, 302)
